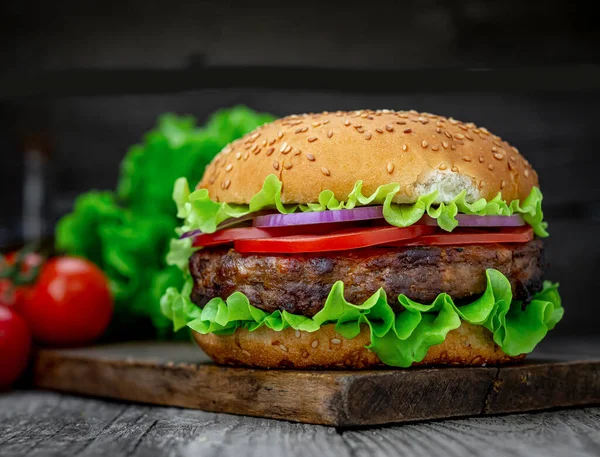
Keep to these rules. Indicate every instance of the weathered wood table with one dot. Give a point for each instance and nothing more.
(41, 423)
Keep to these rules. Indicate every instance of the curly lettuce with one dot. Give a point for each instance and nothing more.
(198, 211)
(126, 232)
(398, 339)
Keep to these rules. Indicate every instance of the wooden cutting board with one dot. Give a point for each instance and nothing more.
(179, 374)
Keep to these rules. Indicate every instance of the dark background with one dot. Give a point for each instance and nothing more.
(85, 80)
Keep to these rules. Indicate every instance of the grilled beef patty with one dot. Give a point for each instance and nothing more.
(300, 283)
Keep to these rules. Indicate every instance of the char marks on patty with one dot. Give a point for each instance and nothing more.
(300, 283)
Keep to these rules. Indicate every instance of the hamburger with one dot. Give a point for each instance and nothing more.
(363, 239)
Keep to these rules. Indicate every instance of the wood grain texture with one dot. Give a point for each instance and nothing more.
(178, 374)
(40, 424)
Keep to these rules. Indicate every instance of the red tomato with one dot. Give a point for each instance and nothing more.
(471, 236)
(336, 241)
(70, 304)
(15, 344)
(15, 296)
(252, 233)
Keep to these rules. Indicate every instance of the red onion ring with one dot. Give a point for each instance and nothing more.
(472, 220)
(363, 213)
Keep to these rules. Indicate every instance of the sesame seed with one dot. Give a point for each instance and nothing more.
(447, 134)
(424, 143)
(212, 180)
(378, 130)
(389, 127)
(271, 142)
(502, 184)
(297, 333)
(226, 184)
(238, 155)
(287, 150)
(454, 169)
(330, 134)
(526, 173)
(453, 121)
(310, 157)
(312, 138)
(453, 147)
(364, 115)
(347, 122)
(442, 166)
(463, 127)
(270, 151)
(360, 129)
(283, 146)
(298, 130)
(287, 165)
(515, 149)
(229, 167)
(498, 155)
(316, 124)
(494, 149)
(481, 183)
(496, 142)
(466, 158)
(283, 348)
(255, 152)
(298, 152)
(512, 159)
(438, 130)
(390, 167)
(408, 131)
(248, 146)
(484, 131)
(468, 137)
(279, 134)
(326, 122)
(459, 136)
(491, 167)
(264, 143)
(325, 171)
(305, 354)
(404, 147)
(401, 122)
(275, 164)
(511, 166)
(246, 155)
(368, 135)
(435, 147)
(315, 343)
(335, 341)
(445, 144)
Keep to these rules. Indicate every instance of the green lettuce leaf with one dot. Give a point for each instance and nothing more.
(398, 339)
(127, 232)
(198, 211)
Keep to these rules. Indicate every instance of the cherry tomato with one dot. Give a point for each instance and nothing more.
(15, 296)
(471, 236)
(70, 304)
(337, 241)
(15, 345)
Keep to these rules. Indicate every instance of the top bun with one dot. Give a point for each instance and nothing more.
(423, 152)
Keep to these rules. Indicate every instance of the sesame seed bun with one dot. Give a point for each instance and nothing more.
(265, 348)
(421, 151)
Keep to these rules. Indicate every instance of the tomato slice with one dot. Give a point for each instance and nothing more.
(471, 236)
(341, 240)
(227, 236)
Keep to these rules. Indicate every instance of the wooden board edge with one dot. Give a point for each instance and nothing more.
(258, 393)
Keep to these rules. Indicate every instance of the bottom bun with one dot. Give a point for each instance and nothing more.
(468, 345)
